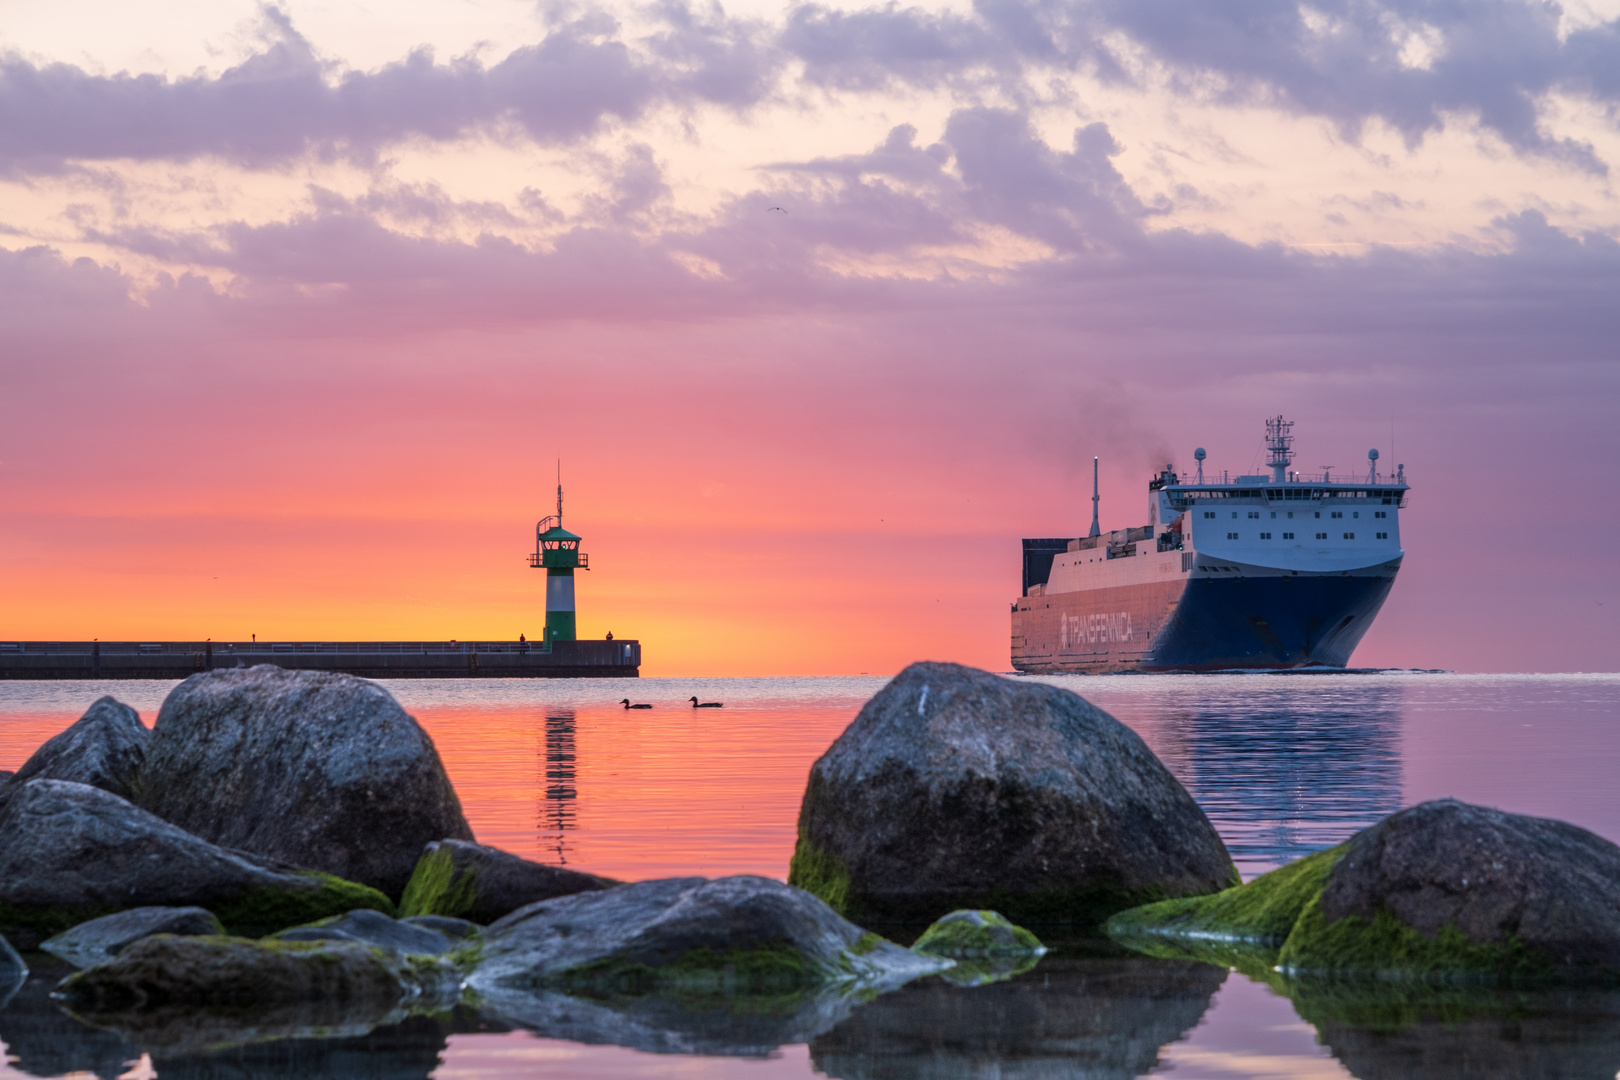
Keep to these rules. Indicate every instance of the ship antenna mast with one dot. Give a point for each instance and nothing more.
(1095, 530)
(1280, 443)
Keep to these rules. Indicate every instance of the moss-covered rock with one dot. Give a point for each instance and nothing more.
(470, 881)
(99, 940)
(963, 934)
(955, 788)
(70, 853)
(1442, 891)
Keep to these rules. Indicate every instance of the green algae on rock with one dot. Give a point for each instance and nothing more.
(464, 880)
(977, 934)
(955, 788)
(1443, 891)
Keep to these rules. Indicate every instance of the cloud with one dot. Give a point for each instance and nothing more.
(285, 100)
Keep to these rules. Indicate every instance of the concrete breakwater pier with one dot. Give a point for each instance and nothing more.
(368, 659)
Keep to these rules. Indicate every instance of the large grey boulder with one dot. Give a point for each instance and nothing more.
(102, 748)
(233, 973)
(1092, 1019)
(1449, 888)
(71, 852)
(99, 940)
(693, 936)
(311, 768)
(954, 788)
(482, 884)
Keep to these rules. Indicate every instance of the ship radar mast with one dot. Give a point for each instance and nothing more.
(1095, 529)
(1198, 456)
(1279, 442)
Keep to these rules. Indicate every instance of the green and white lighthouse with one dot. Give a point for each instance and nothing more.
(557, 551)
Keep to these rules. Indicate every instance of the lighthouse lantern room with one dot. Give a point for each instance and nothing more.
(556, 550)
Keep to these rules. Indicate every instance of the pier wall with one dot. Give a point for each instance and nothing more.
(368, 659)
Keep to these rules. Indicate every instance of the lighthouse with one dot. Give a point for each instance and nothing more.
(557, 551)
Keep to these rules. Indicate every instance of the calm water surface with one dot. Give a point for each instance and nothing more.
(1283, 765)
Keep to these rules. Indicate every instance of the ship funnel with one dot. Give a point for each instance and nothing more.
(1280, 443)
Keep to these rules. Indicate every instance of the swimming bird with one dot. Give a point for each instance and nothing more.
(626, 703)
(696, 704)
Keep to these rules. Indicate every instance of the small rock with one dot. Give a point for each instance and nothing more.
(13, 972)
(99, 940)
(482, 884)
(976, 934)
(730, 936)
(455, 929)
(103, 748)
(311, 768)
(954, 788)
(234, 973)
(374, 928)
(71, 852)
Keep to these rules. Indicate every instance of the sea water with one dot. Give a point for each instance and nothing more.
(560, 772)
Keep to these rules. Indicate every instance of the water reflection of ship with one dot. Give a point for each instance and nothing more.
(1290, 769)
(557, 810)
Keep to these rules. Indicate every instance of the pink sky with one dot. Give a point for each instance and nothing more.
(295, 327)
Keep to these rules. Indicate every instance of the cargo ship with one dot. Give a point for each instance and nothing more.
(1275, 571)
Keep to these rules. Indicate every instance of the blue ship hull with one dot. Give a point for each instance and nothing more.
(1268, 622)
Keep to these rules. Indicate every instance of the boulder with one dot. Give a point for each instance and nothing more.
(481, 884)
(1444, 889)
(954, 788)
(225, 973)
(102, 748)
(71, 852)
(374, 928)
(310, 768)
(99, 940)
(976, 934)
(688, 936)
(1092, 1019)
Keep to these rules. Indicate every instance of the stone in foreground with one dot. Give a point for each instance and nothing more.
(234, 973)
(482, 884)
(71, 852)
(102, 748)
(954, 788)
(975, 934)
(688, 936)
(1442, 890)
(310, 768)
(374, 928)
(99, 940)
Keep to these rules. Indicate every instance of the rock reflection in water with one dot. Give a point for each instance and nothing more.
(1392, 1033)
(1282, 773)
(42, 1040)
(1068, 1018)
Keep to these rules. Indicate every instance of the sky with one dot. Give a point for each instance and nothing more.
(819, 308)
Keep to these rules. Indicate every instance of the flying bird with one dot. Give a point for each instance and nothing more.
(775, 208)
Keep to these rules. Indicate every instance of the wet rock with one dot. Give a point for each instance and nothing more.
(375, 928)
(482, 884)
(13, 972)
(103, 748)
(99, 940)
(954, 788)
(1091, 1019)
(222, 974)
(1442, 890)
(688, 936)
(976, 934)
(455, 929)
(310, 768)
(71, 852)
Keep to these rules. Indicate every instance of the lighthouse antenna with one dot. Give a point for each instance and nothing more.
(1095, 530)
(559, 493)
